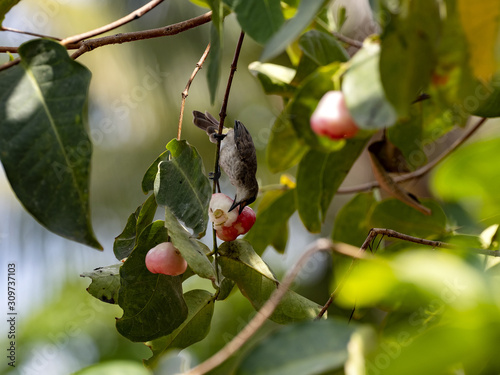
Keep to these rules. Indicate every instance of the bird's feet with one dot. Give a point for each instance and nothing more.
(214, 175)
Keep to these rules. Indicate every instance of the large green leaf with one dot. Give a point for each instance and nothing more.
(364, 94)
(407, 52)
(291, 29)
(148, 181)
(260, 19)
(305, 348)
(153, 304)
(471, 176)
(182, 187)
(352, 221)
(143, 216)
(5, 6)
(285, 148)
(105, 283)
(240, 263)
(322, 48)
(190, 249)
(271, 220)
(394, 214)
(200, 305)
(44, 147)
(319, 176)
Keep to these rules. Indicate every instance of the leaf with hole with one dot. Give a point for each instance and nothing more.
(105, 283)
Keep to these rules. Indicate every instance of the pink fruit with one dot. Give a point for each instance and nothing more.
(166, 259)
(332, 118)
(229, 225)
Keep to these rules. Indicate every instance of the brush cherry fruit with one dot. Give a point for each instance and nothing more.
(166, 259)
(332, 118)
(229, 225)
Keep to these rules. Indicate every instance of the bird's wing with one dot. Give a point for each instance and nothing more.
(206, 122)
(244, 142)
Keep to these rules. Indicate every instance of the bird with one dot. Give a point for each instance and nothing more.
(237, 157)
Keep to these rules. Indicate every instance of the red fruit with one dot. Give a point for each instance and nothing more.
(229, 225)
(166, 259)
(332, 118)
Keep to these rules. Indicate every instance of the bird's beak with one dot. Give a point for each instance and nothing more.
(234, 205)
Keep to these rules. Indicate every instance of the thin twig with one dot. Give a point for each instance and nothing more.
(185, 93)
(263, 314)
(419, 172)
(345, 39)
(8, 49)
(91, 44)
(176, 28)
(374, 232)
(5, 28)
(138, 13)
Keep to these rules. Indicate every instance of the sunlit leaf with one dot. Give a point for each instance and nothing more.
(260, 19)
(271, 219)
(196, 326)
(105, 283)
(153, 304)
(394, 214)
(191, 250)
(352, 221)
(182, 186)
(291, 29)
(44, 147)
(275, 79)
(481, 24)
(240, 263)
(470, 176)
(305, 348)
(363, 90)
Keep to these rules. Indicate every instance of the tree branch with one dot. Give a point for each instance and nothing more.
(138, 13)
(345, 39)
(91, 44)
(421, 171)
(5, 28)
(185, 93)
(263, 314)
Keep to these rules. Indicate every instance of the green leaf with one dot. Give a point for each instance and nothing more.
(396, 215)
(115, 367)
(190, 249)
(148, 181)
(153, 304)
(5, 6)
(291, 29)
(305, 348)
(302, 106)
(285, 148)
(270, 220)
(352, 221)
(322, 48)
(105, 283)
(363, 91)
(240, 263)
(44, 147)
(470, 176)
(181, 185)
(200, 305)
(275, 79)
(318, 178)
(260, 19)
(407, 52)
(143, 216)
